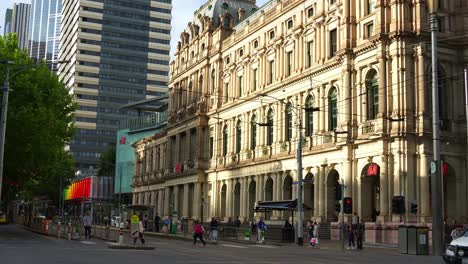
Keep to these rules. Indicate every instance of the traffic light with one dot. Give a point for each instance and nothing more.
(337, 207)
(338, 192)
(414, 208)
(348, 205)
(398, 204)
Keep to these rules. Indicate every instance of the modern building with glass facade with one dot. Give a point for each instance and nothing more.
(118, 53)
(44, 34)
(20, 23)
(7, 25)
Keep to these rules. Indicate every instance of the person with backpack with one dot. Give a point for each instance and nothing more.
(261, 231)
(199, 230)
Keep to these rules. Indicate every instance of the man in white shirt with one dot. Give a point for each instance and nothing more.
(87, 222)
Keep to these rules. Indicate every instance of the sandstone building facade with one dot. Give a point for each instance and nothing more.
(243, 75)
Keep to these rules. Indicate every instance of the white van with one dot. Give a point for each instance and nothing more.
(457, 251)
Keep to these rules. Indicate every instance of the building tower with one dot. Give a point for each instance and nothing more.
(20, 23)
(118, 53)
(44, 33)
(7, 25)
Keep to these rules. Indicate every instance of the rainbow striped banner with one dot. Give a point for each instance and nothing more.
(81, 189)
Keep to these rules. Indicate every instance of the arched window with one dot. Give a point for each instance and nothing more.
(309, 116)
(213, 82)
(225, 140)
(333, 109)
(253, 132)
(226, 93)
(270, 127)
(288, 122)
(190, 91)
(227, 22)
(372, 83)
(238, 137)
(200, 86)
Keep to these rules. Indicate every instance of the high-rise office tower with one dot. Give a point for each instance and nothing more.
(20, 23)
(119, 53)
(7, 25)
(44, 33)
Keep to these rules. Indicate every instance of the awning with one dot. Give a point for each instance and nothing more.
(288, 205)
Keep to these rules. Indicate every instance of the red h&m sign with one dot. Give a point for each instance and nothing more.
(123, 140)
(372, 170)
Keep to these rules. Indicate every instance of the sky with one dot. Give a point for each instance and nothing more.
(182, 13)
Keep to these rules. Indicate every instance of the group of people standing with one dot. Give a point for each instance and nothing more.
(355, 232)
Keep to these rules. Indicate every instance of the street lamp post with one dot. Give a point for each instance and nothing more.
(3, 118)
(437, 216)
(300, 239)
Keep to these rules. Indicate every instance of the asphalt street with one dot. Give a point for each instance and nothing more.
(19, 246)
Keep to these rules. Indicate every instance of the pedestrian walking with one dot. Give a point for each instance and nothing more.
(287, 225)
(350, 238)
(157, 221)
(253, 226)
(316, 229)
(199, 230)
(355, 221)
(262, 227)
(87, 222)
(139, 233)
(359, 235)
(145, 221)
(214, 229)
(238, 222)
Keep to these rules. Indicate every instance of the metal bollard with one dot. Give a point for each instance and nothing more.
(107, 232)
(69, 231)
(121, 238)
(58, 230)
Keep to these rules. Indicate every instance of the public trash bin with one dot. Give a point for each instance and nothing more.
(418, 243)
(173, 228)
(403, 239)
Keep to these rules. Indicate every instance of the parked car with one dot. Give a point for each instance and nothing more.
(115, 221)
(457, 251)
(3, 219)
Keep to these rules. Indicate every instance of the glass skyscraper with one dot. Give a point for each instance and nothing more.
(7, 25)
(118, 53)
(44, 34)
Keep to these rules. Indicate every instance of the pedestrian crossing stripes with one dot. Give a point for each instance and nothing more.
(233, 246)
(88, 243)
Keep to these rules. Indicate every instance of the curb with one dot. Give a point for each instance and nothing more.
(130, 247)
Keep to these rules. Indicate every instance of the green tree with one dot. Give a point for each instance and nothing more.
(39, 127)
(107, 162)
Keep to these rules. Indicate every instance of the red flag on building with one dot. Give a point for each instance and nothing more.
(123, 140)
(178, 167)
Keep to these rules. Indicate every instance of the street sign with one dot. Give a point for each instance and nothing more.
(433, 167)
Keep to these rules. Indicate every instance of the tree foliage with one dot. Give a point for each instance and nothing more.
(39, 126)
(107, 162)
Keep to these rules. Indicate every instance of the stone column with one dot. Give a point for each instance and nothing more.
(384, 202)
(323, 106)
(186, 201)
(322, 192)
(424, 183)
(166, 202)
(229, 198)
(294, 186)
(176, 200)
(246, 197)
(348, 178)
(382, 86)
(316, 212)
(261, 187)
(421, 84)
(197, 201)
(257, 188)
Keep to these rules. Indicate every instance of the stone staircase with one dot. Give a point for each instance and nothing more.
(324, 231)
